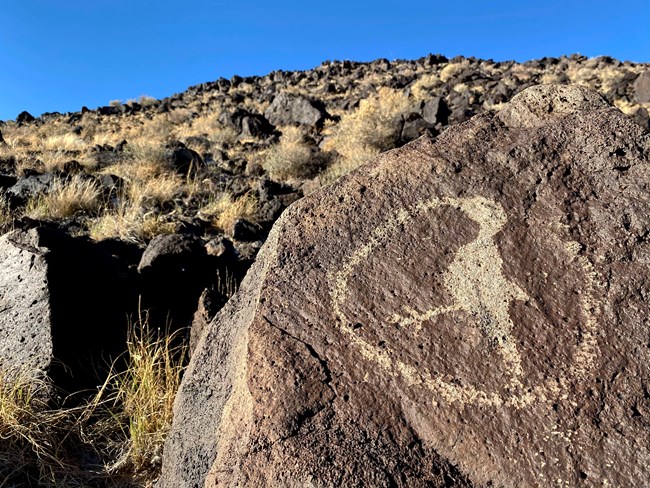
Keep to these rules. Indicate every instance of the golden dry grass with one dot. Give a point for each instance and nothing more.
(145, 394)
(65, 199)
(122, 427)
(223, 211)
(290, 159)
(368, 130)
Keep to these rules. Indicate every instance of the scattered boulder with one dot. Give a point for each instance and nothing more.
(436, 111)
(465, 311)
(244, 230)
(642, 88)
(414, 126)
(25, 118)
(30, 187)
(254, 126)
(182, 159)
(290, 109)
(175, 269)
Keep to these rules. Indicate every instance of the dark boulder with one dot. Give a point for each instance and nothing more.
(465, 311)
(175, 269)
(25, 118)
(295, 110)
(30, 187)
(182, 159)
(436, 111)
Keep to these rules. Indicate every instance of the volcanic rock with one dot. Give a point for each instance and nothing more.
(25, 332)
(642, 87)
(64, 303)
(289, 109)
(24, 117)
(175, 269)
(465, 311)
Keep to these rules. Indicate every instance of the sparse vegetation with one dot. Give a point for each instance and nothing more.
(292, 159)
(115, 438)
(65, 199)
(368, 130)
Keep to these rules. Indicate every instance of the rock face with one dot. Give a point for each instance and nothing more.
(465, 311)
(642, 87)
(65, 304)
(25, 334)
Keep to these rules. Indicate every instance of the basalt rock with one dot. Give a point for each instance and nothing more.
(289, 110)
(642, 87)
(65, 303)
(465, 311)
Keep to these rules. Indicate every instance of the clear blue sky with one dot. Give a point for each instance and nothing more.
(58, 55)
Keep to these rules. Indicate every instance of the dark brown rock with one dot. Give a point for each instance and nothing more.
(469, 311)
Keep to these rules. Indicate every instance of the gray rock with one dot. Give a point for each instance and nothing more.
(290, 109)
(642, 88)
(30, 187)
(25, 328)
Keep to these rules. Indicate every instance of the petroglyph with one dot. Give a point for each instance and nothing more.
(476, 284)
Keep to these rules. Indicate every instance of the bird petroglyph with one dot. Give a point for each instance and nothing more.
(475, 283)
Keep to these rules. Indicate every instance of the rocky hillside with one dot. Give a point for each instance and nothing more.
(152, 211)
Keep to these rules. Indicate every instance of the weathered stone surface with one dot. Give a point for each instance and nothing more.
(465, 311)
(64, 307)
(25, 332)
(642, 87)
(288, 109)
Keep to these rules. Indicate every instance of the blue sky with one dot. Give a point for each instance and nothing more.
(59, 55)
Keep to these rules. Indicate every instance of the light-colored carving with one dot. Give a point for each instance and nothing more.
(476, 285)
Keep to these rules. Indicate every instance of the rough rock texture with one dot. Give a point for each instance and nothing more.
(642, 88)
(465, 311)
(25, 332)
(287, 109)
(65, 304)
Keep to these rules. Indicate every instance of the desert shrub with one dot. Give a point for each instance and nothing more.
(223, 211)
(370, 129)
(144, 396)
(290, 159)
(65, 199)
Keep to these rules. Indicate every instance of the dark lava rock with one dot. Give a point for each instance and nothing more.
(465, 311)
(291, 109)
(436, 111)
(243, 230)
(182, 159)
(175, 269)
(25, 118)
(30, 187)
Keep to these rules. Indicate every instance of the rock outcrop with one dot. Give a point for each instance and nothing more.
(465, 311)
(25, 331)
(65, 304)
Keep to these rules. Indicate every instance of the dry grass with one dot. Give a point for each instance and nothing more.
(113, 439)
(130, 223)
(145, 395)
(223, 212)
(290, 159)
(367, 131)
(65, 199)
